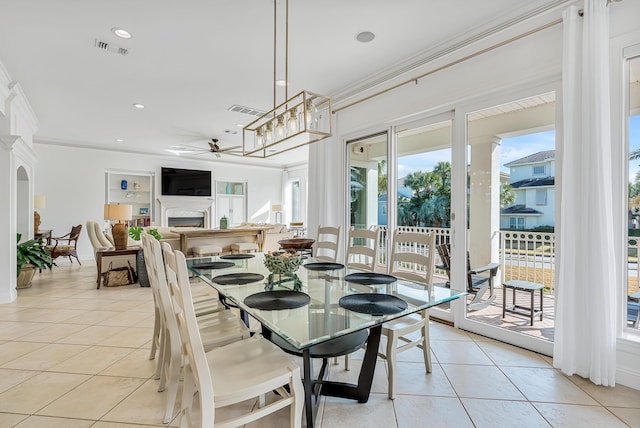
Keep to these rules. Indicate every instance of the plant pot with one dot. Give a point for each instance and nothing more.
(26, 276)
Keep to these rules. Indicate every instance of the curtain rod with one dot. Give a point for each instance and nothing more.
(451, 64)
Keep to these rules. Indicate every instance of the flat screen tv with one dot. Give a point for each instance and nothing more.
(186, 182)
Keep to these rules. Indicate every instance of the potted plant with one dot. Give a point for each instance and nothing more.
(32, 255)
(134, 233)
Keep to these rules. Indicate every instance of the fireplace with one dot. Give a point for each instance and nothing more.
(185, 211)
(185, 221)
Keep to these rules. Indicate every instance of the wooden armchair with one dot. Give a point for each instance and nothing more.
(476, 284)
(66, 245)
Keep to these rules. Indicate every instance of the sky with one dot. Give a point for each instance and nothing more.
(512, 149)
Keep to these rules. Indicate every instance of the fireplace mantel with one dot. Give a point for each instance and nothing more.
(185, 206)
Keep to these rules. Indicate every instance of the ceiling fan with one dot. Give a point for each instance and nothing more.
(213, 148)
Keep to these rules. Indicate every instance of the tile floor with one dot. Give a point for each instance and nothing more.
(73, 356)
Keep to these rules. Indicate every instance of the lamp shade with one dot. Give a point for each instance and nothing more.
(119, 212)
(276, 208)
(39, 201)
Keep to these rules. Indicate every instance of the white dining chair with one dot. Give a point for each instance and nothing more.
(362, 250)
(413, 259)
(326, 245)
(231, 374)
(219, 328)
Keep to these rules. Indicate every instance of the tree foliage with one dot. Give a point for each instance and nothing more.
(430, 201)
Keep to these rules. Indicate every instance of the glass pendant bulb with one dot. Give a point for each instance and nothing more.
(259, 138)
(268, 135)
(309, 114)
(293, 120)
(280, 127)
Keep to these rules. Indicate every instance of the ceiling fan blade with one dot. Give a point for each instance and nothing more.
(228, 149)
(213, 147)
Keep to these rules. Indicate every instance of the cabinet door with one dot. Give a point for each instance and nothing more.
(237, 210)
(223, 208)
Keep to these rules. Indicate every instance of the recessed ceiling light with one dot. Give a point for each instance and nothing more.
(365, 36)
(138, 105)
(240, 125)
(281, 83)
(119, 140)
(121, 32)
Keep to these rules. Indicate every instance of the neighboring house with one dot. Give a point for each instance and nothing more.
(532, 179)
(382, 202)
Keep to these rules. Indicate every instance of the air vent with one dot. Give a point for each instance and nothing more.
(247, 110)
(110, 48)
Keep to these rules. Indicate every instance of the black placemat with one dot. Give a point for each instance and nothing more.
(237, 256)
(367, 278)
(277, 300)
(240, 278)
(323, 266)
(213, 265)
(373, 304)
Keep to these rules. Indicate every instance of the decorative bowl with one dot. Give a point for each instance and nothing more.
(282, 263)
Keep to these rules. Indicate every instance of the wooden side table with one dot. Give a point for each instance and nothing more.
(526, 286)
(100, 254)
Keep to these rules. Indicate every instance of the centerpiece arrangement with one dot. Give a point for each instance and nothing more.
(284, 264)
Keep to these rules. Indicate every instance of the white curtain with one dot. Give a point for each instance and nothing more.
(585, 332)
(326, 185)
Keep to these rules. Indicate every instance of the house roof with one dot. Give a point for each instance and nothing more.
(534, 158)
(520, 209)
(534, 182)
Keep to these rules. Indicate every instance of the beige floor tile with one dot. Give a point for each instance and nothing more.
(412, 379)
(46, 422)
(547, 385)
(499, 413)
(11, 419)
(38, 391)
(629, 416)
(480, 382)
(92, 399)
(126, 305)
(92, 317)
(53, 332)
(439, 331)
(10, 330)
(93, 335)
(134, 364)
(377, 412)
(566, 415)
(132, 337)
(618, 396)
(506, 355)
(144, 406)
(46, 315)
(121, 425)
(10, 378)
(11, 350)
(129, 319)
(459, 352)
(45, 357)
(92, 360)
(420, 412)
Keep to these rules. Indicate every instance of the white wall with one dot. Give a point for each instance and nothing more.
(73, 181)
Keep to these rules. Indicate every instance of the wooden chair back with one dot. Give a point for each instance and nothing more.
(326, 245)
(413, 256)
(362, 252)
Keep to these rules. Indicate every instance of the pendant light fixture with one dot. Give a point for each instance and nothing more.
(300, 120)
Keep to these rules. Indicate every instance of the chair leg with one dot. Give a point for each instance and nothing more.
(156, 335)
(426, 350)
(172, 390)
(297, 392)
(392, 344)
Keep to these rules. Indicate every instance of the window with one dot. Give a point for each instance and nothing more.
(541, 196)
(539, 170)
(516, 222)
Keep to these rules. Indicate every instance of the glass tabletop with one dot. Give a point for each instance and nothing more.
(323, 318)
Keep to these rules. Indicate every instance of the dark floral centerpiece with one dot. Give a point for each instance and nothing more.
(284, 264)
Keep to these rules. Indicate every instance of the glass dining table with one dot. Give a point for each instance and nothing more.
(315, 309)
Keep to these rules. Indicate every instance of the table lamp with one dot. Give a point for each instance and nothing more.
(277, 209)
(120, 213)
(39, 201)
